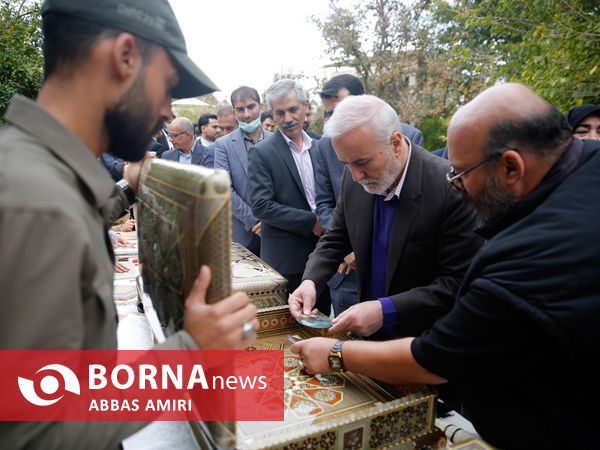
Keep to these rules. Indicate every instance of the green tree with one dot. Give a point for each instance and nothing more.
(553, 46)
(394, 49)
(434, 130)
(21, 63)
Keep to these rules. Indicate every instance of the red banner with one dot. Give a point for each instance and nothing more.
(141, 385)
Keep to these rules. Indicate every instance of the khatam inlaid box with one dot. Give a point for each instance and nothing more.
(332, 411)
(250, 274)
(184, 220)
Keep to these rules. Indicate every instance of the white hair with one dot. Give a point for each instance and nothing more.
(357, 110)
(281, 88)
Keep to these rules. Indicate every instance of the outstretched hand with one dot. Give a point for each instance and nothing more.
(314, 354)
(364, 318)
(218, 326)
(303, 299)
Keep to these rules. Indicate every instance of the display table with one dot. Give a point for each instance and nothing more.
(334, 411)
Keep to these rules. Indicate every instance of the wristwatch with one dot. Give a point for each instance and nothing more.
(335, 357)
(124, 185)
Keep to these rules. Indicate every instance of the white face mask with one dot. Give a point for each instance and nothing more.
(249, 127)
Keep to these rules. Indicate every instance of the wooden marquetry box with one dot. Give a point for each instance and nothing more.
(250, 274)
(333, 411)
(183, 222)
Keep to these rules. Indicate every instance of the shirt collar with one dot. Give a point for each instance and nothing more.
(306, 142)
(189, 155)
(396, 192)
(248, 138)
(28, 116)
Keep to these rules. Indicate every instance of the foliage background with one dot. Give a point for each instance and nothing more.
(428, 57)
(424, 57)
(21, 63)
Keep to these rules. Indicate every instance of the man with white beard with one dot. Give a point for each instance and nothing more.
(411, 233)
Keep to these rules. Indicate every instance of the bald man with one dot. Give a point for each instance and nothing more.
(181, 133)
(522, 340)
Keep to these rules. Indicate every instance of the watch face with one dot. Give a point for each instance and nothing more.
(335, 363)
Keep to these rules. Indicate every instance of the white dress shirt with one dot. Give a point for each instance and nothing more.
(304, 166)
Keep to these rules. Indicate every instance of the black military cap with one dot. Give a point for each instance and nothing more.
(152, 20)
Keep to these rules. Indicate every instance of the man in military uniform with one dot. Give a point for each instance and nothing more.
(111, 69)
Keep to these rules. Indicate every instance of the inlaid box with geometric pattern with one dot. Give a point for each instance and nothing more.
(332, 411)
(250, 274)
(183, 222)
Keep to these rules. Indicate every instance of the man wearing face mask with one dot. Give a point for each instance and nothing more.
(231, 154)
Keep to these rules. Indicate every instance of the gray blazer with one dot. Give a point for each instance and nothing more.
(278, 200)
(197, 154)
(328, 173)
(209, 155)
(431, 246)
(231, 154)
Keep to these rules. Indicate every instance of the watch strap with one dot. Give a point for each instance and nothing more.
(337, 347)
(336, 354)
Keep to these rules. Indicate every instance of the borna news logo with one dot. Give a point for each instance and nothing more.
(49, 385)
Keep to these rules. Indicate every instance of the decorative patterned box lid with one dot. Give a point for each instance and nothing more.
(183, 221)
(333, 411)
(250, 274)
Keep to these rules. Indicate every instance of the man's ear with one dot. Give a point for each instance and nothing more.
(261, 107)
(396, 141)
(511, 168)
(126, 56)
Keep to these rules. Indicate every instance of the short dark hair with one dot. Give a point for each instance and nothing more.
(265, 115)
(204, 119)
(244, 92)
(226, 110)
(542, 135)
(68, 42)
(350, 82)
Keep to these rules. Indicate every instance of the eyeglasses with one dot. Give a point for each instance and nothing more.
(327, 114)
(455, 179)
(174, 135)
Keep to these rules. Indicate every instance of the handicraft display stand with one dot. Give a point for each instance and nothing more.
(184, 221)
(332, 411)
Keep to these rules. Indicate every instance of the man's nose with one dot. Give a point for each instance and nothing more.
(165, 110)
(357, 174)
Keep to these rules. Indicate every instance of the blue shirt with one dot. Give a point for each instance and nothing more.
(185, 159)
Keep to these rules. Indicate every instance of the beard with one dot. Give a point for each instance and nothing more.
(493, 202)
(390, 174)
(131, 123)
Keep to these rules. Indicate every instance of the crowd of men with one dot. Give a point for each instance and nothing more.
(476, 270)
